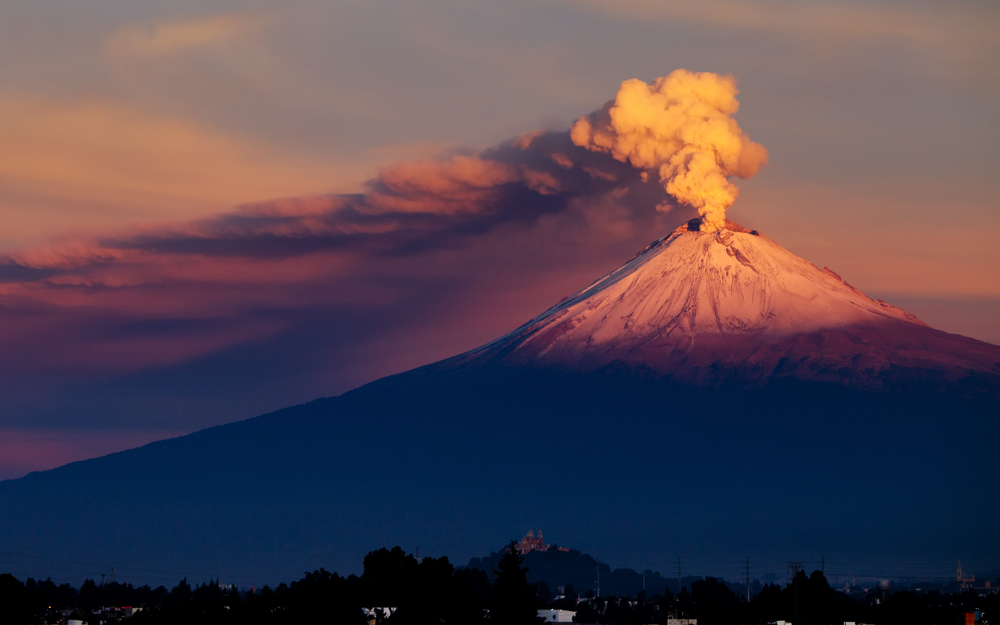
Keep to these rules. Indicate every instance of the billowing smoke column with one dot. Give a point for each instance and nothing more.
(681, 126)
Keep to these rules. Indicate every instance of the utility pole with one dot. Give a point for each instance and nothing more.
(679, 584)
(598, 577)
(748, 579)
(822, 565)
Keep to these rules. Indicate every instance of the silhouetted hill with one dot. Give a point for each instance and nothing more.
(559, 568)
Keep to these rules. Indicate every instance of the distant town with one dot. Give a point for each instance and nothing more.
(528, 581)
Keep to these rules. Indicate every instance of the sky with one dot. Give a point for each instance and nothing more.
(212, 211)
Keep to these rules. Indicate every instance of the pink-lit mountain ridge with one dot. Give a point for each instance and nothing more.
(706, 307)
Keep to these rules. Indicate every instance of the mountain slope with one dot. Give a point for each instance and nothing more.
(716, 397)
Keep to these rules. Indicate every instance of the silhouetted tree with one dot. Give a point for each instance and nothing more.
(430, 601)
(569, 603)
(818, 600)
(470, 594)
(89, 596)
(714, 602)
(14, 601)
(181, 593)
(388, 578)
(544, 594)
(768, 605)
(587, 613)
(513, 598)
(322, 596)
(685, 606)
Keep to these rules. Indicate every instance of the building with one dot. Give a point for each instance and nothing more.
(377, 614)
(557, 616)
(966, 582)
(529, 542)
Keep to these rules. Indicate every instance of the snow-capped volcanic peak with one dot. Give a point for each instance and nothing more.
(731, 282)
(702, 306)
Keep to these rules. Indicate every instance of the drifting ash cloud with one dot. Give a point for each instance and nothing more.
(407, 208)
(314, 295)
(679, 126)
(403, 259)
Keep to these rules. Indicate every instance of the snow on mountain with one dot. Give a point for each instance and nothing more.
(705, 306)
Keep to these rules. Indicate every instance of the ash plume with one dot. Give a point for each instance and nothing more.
(160, 296)
(680, 126)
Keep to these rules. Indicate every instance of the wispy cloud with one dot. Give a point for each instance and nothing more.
(933, 24)
(161, 38)
(129, 164)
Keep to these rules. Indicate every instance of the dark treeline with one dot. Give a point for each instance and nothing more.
(807, 599)
(434, 591)
(428, 591)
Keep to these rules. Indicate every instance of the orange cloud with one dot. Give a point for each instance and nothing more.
(171, 37)
(524, 140)
(460, 183)
(944, 26)
(96, 164)
(540, 181)
(562, 160)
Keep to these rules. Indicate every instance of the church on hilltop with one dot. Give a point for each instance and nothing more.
(529, 542)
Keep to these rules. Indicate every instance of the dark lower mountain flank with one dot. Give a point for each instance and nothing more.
(452, 460)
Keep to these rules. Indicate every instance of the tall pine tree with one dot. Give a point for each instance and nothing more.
(512, 600)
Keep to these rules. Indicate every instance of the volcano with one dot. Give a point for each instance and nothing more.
(734, 306)
(715, 397)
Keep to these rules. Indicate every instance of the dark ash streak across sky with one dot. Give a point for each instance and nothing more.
(190, 324)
